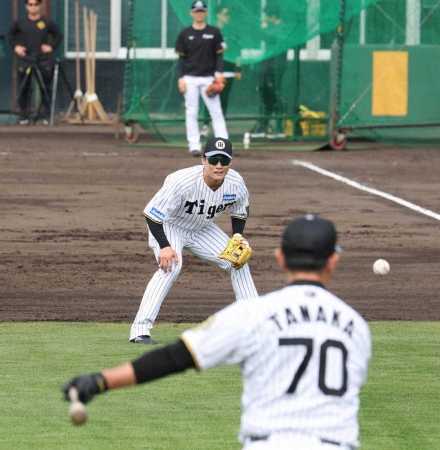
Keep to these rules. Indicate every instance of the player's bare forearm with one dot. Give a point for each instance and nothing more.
(181, 85)
(120, 376)
(165, 259)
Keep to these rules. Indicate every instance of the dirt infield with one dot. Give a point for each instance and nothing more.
(73, 241)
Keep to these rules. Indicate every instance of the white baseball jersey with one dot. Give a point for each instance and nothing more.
(304, 355)
(187, 206)
(187, 202)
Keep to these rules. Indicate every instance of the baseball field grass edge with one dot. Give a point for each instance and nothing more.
(399, 404)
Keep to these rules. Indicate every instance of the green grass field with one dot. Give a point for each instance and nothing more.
(400, 403)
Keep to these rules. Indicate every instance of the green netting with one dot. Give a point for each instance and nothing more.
(331, 81)
(393, 101)
(301, 21)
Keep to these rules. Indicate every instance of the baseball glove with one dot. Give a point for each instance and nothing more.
(216, 87)
(238, 251)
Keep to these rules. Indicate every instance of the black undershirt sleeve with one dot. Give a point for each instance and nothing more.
(13, 35)
(56, 35)
(220, 62)
(181, 66)
(159, 363)
(158, 233)
(237, 225)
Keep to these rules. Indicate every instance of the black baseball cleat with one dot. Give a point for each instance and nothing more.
(144, 339)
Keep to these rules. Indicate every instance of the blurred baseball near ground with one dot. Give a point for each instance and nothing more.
(381, 267)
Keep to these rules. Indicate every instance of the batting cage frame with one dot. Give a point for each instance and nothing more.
(391, 66)
(349, 97)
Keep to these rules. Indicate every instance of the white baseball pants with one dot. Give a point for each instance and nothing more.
(287, 441)
(195, 87)
(207, 245)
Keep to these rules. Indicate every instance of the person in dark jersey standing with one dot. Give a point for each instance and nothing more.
(33, 38)
(200, 48)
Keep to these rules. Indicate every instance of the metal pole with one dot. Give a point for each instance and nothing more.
(54, 92)
(296, 86)
(340, 46)
(14, 64)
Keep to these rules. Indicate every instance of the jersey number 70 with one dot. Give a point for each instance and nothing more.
(308, 343)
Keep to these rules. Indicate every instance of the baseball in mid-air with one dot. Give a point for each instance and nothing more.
(78, 412)
(381, 267)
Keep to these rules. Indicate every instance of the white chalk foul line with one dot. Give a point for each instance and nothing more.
(100, 154)
(398, 200)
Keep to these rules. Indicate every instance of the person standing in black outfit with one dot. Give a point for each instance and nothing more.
(33, 38)
(200, 48)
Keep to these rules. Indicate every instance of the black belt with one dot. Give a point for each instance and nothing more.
(258, 438)
(265, 438)
(328, 441)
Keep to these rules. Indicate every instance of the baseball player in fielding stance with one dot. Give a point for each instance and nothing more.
(200, 48)
(181, 216)
(303, 352)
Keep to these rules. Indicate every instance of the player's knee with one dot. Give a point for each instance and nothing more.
(172, 274)
(176, 270)
(216, 115)
(191, 113)
(227, 266)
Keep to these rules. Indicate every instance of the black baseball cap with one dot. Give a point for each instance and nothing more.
(218, 146)
(308, 242)
(199, 6)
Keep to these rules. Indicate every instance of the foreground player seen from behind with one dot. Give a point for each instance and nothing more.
(180, 216)
(303, 352)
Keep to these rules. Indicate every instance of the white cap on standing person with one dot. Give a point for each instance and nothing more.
(199, 6)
